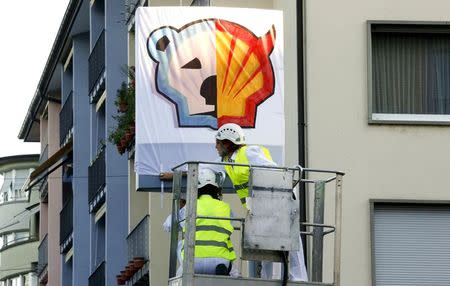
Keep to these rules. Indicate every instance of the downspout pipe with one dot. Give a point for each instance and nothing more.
(301, 103)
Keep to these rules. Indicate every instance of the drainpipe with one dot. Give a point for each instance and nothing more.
(301, 94)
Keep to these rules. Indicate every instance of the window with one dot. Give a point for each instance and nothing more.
(409, 73)
(410, 243)
(13, 237)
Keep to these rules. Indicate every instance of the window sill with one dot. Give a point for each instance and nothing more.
(410, 119)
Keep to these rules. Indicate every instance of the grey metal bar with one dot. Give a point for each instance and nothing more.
(314, 181)
(176, 189)
(217, 280)
(191, 214)
(317, 252)
(296, 168)
(338, 232)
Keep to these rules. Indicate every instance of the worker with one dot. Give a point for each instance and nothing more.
(214, 251)
(231, 147)
(167, 226)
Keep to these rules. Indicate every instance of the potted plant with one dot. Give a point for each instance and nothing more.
(123, 134)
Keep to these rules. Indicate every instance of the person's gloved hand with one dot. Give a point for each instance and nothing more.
(166, 176)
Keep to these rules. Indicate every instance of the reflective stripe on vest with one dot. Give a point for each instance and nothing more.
(212, 236)
(239, 174)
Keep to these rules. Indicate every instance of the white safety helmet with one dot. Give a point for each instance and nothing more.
(207, 177)
(232, 132)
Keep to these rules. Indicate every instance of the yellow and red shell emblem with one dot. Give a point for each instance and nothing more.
(214, 71)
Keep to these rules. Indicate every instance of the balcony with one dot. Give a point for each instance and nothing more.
(136, 271)
(66, 226)
(97, 76)
(19, 258)
(43, 191)
(42, 256)
(97, 182)
(201, 3)
(98, 277)
(137, 240)
(130, 8)
(66, 120)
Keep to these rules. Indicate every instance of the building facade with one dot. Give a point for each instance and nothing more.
(19, 222)
(366, 93)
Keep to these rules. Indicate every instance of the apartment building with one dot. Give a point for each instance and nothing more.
(19, 222)
(366, 93)
(84, 210)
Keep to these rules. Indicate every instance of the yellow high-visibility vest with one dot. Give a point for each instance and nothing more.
(213, 237)
(239, 175)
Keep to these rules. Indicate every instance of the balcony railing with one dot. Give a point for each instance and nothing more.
(66, 221)
(42, 256)
(98, 277)
(130, 8)
(66, 119)
(18, 241)
(97, 67)
(137, 240)
(97, 175)
(201, 3)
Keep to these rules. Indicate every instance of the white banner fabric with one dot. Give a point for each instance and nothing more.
(199, 68)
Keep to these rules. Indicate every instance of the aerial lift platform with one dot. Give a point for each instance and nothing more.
(270, 229)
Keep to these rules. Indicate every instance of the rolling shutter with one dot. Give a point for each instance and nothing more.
(411, 244)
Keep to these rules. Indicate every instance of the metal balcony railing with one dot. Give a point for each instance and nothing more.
(66, 119)
(97, 175)
(201, 3)
(130, 8)
(42, 256)
(98, 277)
(137, 240)
(96, 64)
(66, 221)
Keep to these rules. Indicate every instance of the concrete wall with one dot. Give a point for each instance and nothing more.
(116, 165)
(81, 105)
(17, 259)
(381, 161)
(138, 204)
(54, 199)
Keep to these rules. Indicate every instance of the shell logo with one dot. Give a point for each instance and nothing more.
(213, 71)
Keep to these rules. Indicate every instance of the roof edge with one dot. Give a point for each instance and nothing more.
(52, 61)
(15, 159)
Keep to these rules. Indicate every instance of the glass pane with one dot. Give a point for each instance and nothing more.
(411, 73)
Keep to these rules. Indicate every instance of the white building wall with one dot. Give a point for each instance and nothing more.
(381, 161)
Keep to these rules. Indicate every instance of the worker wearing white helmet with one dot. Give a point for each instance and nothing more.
(214, 251)
(231, 146)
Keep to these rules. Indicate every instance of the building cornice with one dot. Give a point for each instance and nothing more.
(11, 162)
(39, 97)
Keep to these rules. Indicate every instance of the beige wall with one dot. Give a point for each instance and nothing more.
(385, 162)
(138, 201)
(159, 242)
(54, 200)
(16, 259)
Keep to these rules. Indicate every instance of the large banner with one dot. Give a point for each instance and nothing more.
(199, 68)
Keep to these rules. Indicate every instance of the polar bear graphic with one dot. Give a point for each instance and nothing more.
(213, 71)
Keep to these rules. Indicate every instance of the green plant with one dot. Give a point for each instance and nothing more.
(122, 135)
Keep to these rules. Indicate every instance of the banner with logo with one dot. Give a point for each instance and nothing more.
(199, 68)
